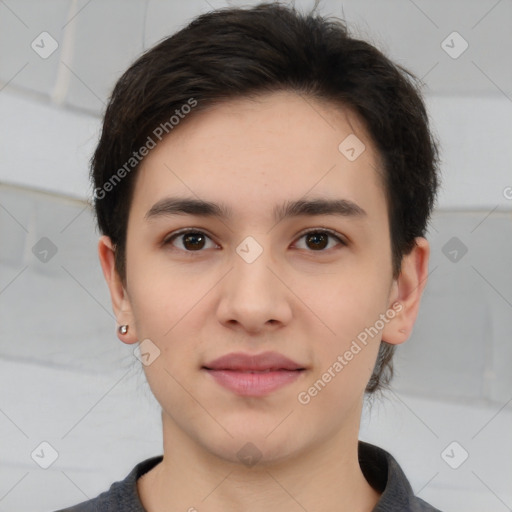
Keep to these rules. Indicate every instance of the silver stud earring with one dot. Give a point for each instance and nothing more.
(123, 329)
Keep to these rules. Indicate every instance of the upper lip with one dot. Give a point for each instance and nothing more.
(253, 362)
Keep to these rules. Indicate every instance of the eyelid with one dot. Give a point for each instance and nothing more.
(339, 237)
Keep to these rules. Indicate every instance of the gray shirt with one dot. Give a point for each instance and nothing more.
(380, 469)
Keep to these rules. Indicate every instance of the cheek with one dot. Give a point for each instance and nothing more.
(336, 389)
(345, 354)
(165, 305)
(350, 300)
(349, 306)
(160, 295)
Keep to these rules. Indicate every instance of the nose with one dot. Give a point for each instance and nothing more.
(254, 295)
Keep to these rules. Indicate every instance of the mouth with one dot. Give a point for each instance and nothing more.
(254, 383)
(247, 374)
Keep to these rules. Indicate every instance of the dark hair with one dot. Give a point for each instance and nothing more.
(234, 53)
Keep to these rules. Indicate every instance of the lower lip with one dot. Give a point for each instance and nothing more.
(254, 384)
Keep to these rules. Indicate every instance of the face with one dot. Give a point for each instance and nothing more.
(302, 285)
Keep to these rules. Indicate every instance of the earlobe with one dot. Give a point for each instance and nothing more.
(120, 301)
(407, 292)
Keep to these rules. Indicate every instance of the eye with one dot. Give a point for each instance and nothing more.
(319, 239)
(192, 240)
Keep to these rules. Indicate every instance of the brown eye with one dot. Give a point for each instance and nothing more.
(193, 241)
(319, 240)
(190, 241)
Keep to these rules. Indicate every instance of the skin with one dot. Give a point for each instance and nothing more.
(306, 303)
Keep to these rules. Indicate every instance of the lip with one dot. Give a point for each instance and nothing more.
(254, 375)
(241, 362)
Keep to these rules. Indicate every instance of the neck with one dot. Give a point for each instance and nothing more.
(323, 477)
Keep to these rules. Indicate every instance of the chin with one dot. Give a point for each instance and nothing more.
(252, 446)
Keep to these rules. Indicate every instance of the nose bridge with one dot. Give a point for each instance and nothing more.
(252, 295)
(251, 264)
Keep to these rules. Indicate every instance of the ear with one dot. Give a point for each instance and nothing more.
(406, 292)
(118, 295)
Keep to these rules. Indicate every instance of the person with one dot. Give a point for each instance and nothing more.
(262, 184)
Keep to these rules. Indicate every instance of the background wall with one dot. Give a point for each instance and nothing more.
(66, 380)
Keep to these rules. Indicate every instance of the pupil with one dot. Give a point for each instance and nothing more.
(315, 238)
(191, 236)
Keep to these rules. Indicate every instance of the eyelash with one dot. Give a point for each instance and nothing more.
(327, 231)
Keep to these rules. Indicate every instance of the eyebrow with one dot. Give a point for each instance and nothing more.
(190, 206)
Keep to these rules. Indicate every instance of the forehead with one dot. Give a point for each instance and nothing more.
(255, 152)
